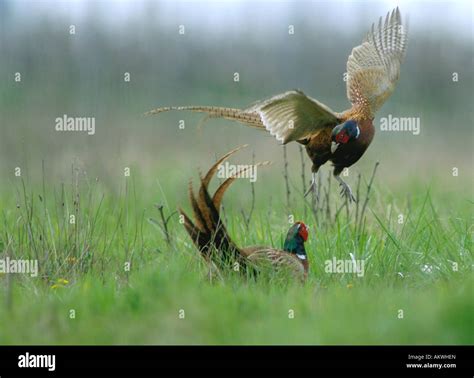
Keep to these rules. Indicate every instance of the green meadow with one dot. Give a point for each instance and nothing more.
(115, 275)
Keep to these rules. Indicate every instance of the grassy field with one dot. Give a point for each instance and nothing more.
(416, 243)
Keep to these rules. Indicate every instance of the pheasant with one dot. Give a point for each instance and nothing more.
(372, 71)
(210, 236)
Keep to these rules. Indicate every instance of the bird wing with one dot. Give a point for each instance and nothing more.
(277, 259)
(288, 116)
(292, 115)
(374, 66)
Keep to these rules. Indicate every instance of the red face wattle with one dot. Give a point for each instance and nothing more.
(303, 231)
(342, 137)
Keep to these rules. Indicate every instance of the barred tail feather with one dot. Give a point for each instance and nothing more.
(251, 119)
(219, 193)
(200, 239)
(208, 231)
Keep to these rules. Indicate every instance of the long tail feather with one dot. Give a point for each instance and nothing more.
(208, 231)
(251, 119)
(205, 215)
(219, 193)
(199, 218)
(199, 238)
(211, 172)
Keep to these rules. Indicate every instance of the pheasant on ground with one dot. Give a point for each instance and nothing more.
(372, 71)
(210, 236)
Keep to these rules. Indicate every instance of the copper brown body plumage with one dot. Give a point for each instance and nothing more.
(210, 235)
(373, 69)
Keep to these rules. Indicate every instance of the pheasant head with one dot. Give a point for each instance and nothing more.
(343, 133)
(295, 239)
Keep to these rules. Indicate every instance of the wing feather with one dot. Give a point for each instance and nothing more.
(373, 67)
(277, 259)
(293, 116)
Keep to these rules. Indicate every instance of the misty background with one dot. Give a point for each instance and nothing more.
(82, 75)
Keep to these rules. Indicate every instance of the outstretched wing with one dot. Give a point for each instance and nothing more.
(293, 116)
(288, 116)
(374, 66)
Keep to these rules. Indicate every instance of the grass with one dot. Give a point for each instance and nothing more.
(420, 266)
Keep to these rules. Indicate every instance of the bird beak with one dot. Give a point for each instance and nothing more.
(334, 147)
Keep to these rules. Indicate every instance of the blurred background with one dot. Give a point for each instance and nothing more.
(82, 75)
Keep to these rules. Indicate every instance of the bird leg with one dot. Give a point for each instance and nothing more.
(345, 189)
(312, 186)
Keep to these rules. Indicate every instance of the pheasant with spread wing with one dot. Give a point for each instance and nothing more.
(210, 236)
(342, 138)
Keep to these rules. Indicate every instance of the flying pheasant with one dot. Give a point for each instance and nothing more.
(342, 138)
(210, 236)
